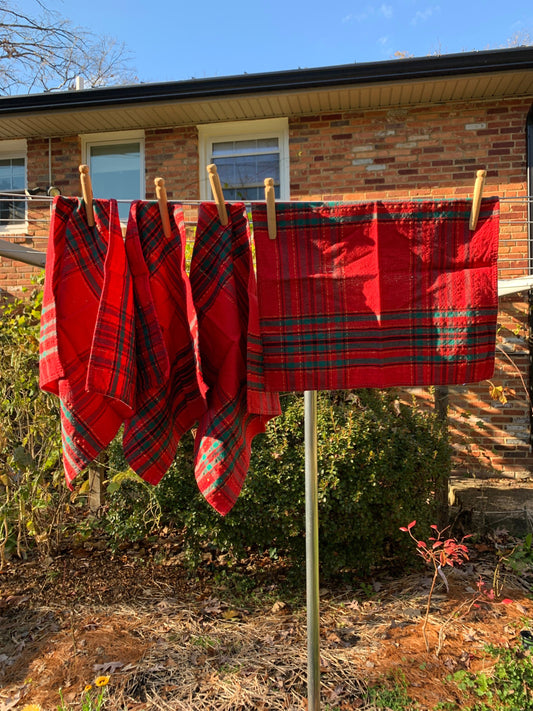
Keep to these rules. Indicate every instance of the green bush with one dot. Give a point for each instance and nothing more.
(507, 687)
(31, 478)
(379, 464)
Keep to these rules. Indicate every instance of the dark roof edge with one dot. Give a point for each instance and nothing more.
(498, 60)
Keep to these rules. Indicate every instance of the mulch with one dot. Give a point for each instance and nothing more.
(172, 640)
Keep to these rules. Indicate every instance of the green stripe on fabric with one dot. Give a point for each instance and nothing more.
(330, 364)
(313, 320)
(430, 333)
(229, 462)
(310, 219)
(48, 352)
(47, 326)
(80, 428)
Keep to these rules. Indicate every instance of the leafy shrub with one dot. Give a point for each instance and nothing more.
(506, 688)
(131, 509)
(379, 463)
(31, 479)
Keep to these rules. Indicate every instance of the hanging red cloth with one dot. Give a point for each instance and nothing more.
(225, 297)
(87, 342)
(165, 412)
(376, 294)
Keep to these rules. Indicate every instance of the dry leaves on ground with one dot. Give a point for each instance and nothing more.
(171, 642)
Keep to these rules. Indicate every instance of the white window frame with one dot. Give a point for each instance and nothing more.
(16, 148)
(239, 131)
(110, 138)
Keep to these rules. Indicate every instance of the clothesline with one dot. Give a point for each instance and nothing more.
(48, 198)
(511, 265)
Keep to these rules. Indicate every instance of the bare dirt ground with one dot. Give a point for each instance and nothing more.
(169, 640)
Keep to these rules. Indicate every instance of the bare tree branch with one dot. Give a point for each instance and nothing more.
(43, 51)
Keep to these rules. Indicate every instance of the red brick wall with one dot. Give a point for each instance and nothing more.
(173, 154)
(390, 153)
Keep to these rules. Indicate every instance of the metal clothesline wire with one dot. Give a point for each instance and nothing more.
(47, 198)
(44, 221)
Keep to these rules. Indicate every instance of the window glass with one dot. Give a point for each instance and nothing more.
(12, 180)
(116, 172)
(243, 166)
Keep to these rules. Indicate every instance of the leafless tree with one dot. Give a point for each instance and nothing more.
(42, 51)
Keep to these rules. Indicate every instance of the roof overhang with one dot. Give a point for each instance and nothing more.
(493, 74)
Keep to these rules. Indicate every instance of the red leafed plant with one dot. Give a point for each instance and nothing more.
(438, 551)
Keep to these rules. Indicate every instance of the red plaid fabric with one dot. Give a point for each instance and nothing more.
(377, 294)
(224, 293)
(166, 411)
(87, 337)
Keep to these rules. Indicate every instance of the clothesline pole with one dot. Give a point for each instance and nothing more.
(311, 545)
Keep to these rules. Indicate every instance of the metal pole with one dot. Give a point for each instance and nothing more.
(311, 548)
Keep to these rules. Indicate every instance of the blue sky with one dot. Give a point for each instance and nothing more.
(175, 39)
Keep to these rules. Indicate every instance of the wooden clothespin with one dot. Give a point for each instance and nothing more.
(87, 193)
(476, 200)
(218, 195)
(161, 194)
(270, 199)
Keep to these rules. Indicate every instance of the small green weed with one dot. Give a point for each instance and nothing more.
(92, 699)
(390, 698)
(391, 694)
(518, 560)
(508, 687)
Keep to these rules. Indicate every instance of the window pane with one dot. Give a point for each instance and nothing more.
(12, 179)
(247, 170)
(5, 175)
(19, 174)
(116, 172)
(255, 145)
(249, 193)
(223, 148)
(243, 164)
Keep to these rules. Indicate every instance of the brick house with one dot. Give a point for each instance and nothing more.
(395, 129)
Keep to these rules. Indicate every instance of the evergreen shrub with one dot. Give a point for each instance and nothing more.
(380, 462)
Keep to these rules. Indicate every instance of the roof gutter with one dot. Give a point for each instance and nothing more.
(515, 59)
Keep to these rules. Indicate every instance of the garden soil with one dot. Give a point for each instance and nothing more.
(159, 637)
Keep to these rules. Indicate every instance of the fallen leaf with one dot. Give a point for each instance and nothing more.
(470, 636)
(10, 703)
(212, 606)
(108, 667)
(230, 614)
(278, 606)
(324, 666)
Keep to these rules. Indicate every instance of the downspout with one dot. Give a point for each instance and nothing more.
(49, 162)
(529, 166)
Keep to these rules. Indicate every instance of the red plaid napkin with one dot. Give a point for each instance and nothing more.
(87, 338)
(224, 292)
(163, 412)
(376, 294)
